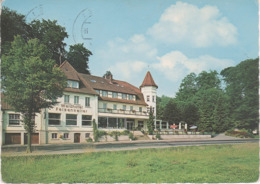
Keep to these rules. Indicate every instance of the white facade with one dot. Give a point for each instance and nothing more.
(71, 119)
(150, 93)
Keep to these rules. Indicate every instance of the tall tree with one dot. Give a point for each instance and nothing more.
(12, 24)
(30, 80)
(52, 35)
(207, 80)
(242, 86)
(188, 88)
(78, 57)
(172, 113)
(190, 114)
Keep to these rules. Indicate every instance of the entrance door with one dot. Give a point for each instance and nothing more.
(76, 137)
(129, 125)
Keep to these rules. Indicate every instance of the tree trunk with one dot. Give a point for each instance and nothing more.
(29, 147)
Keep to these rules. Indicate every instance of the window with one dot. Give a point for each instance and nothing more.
(140, 109)
(112, 122)
(153, 98)
(123, 96)
(104, 93)
(14, 119)
(131, 108)
(130, 97)
(98, 91)
(66, 135)
(102, 122)
(66, 98)
(86, 120)
(148, 98)
(54, 119)
(140, 124)
(76, 99)
(104, 105)
(121, 123)
(71, 119)
(114, 106)
(87, 135)
(87, 101)
(115, 95)
(54, 135)
(73, 84)
(124, 107)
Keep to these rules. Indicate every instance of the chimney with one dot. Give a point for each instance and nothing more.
(109, 76)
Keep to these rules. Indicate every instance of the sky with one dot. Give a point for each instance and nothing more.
(168, 38)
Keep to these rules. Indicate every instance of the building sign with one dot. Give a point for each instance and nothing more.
(70, 108)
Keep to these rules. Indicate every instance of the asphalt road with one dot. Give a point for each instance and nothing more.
(78, 148)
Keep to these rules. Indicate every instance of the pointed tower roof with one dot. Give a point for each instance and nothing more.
(148, 80)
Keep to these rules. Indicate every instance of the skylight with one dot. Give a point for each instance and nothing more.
(92, 80)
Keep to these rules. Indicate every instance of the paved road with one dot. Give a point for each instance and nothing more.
(80, 148)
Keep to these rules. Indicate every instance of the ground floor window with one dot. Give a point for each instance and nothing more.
(164, 125)
(86, 120)
(54, 119)
(111, 122)
(157, 125)
(66, 135)
(71, 119)
(140, 124)
(54, 135)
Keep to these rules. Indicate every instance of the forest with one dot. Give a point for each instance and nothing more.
(216, 102)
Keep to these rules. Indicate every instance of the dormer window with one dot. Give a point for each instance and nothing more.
(73, 84)
(124, 96)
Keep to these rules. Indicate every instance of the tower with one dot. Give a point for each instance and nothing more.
(149, 90)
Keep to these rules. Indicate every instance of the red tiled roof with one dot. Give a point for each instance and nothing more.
(101, 83)
(69, 71)
(148, 80)
(72, 74)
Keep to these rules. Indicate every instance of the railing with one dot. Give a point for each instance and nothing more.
(121, 111)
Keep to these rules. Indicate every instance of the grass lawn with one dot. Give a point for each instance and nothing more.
(196, 164)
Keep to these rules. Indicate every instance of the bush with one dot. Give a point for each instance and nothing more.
(239, 133)
(131, 136)
(89, 140)
(115, 134)
(158, 136)
(125, 132)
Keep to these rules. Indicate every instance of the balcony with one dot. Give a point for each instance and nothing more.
(121, 111)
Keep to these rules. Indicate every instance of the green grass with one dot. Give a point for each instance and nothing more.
(195, 164)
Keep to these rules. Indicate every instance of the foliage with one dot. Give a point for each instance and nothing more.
(115, 134)
(243, 133)
(125, 132)
(78, 57)
(150, 122)
(95, 131)
(52, 35)
(242, 86)
(172, 113)
(30, 80)
(107, 74)
(131, 136)
(12, 24)
(89, 140)
(158, 136)
(233, 163)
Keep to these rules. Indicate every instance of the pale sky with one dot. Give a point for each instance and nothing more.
(170, 38)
